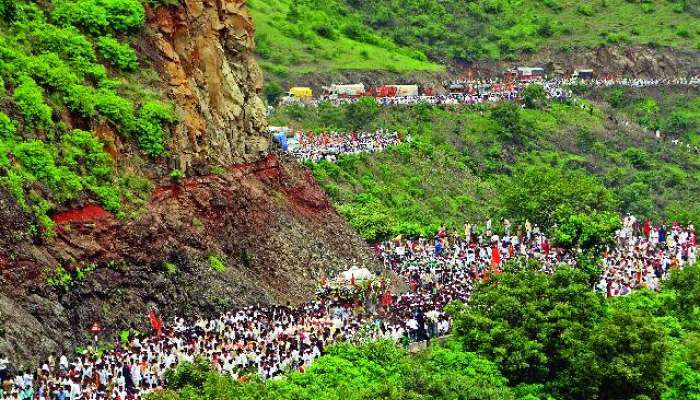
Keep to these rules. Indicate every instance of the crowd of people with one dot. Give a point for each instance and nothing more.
(270, 340)
(645, 255)
(468, 91)
(328, 145)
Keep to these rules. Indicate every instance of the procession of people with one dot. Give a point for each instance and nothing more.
(476, 91)
(328, 145)
(270, 340)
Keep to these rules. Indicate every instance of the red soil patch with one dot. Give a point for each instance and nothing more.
(88, 213)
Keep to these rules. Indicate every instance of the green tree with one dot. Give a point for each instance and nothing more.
(507, 115)
(536, 191)
(630, 356)
(589, 231)
(534, 96)
(533, 326)
(273, 92)
(362, 112)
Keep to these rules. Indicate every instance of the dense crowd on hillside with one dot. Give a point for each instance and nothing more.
(644, 255)
(271, 340)
(467, 92)
(307, 146)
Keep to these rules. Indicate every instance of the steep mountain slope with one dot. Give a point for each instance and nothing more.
(199, 215)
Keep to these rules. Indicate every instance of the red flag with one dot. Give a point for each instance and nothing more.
(352, 280)
(647, 228)
(386, 299)
(156, 323)
(495, 256)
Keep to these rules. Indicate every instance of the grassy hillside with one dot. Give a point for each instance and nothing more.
(318, 35)
(299, 39)
(668, 109)
(504, 161)
(503, 28)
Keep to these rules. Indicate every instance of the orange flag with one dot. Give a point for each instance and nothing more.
(495, 256)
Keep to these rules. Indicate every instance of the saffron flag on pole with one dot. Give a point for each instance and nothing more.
(495, 256)
(156, 323)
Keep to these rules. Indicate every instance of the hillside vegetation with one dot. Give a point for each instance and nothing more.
(397, 35)
(543, 163)
(296, 37)
(67, 70)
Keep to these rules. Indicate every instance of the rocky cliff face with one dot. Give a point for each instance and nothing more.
(264, 217)
(204, 50)
(613, 61)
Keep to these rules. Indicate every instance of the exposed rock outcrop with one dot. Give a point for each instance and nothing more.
(609, 61)
(617, 61)
(204, 50)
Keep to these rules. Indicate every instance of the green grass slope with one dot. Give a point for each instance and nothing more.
(306, 42)
(313, 35)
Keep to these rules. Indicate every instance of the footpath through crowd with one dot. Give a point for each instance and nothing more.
(271, 340)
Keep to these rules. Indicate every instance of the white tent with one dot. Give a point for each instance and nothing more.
(360, 274)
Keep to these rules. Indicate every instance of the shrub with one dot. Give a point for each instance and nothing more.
(118, 110)
(86, 15)
(354, 31)
(119, 55)
(616, 97)
(585, 10)
(81, 99)
(326, 32)
(83, 153)
(683, 32)
(545, 28)
(30, 99)
(216, 264)
(677, 123)
(151, 133)
(273, 92)
(98, 17)
(66, 42)
(534, 96)
(7, 127)
(39, 161)
(49, 70)
(363, 111)
(8, 8)
(176, 175)
(170, 268)
(554, 5)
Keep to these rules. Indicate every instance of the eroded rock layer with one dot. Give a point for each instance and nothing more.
(204, 50)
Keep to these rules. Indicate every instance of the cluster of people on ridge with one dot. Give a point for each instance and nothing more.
(467, 91)
(270, 340)
(307, 146)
